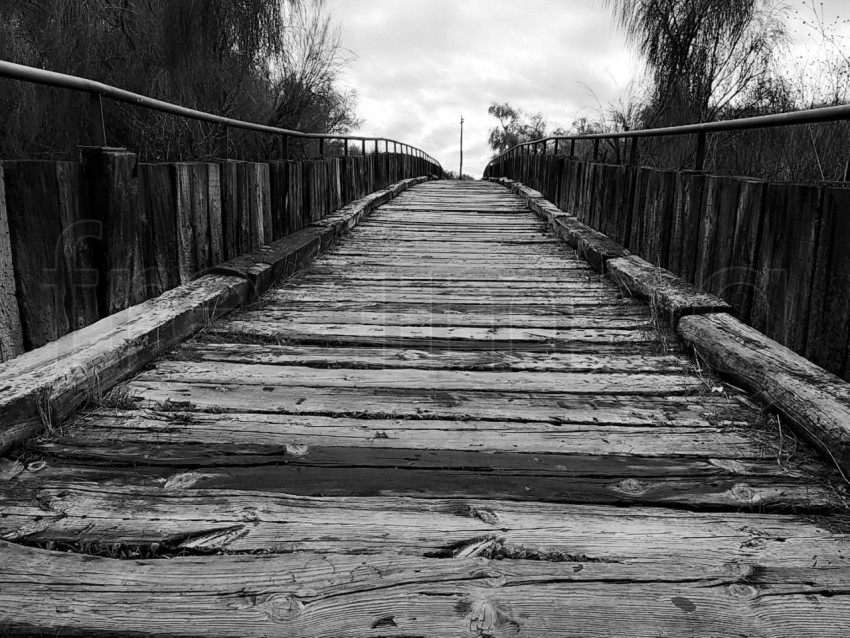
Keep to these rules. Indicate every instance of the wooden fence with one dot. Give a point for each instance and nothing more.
(81, 241)
(778, 253)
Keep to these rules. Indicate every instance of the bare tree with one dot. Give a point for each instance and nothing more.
(701, 55)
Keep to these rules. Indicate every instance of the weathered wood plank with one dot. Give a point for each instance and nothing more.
(53, 264)
(816, 402)
(186, 249)
(694, 541)
(828, 336)
(360, 472)
(160, 256)
(337, 595)
(625, 409)
(385, 357)
(459, 337)
(220, 373)
(214, 210)
(11, 338)
(563, 322)
(262, 433)
(670, 296)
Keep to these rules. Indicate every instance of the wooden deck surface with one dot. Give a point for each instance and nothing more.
(447, 426)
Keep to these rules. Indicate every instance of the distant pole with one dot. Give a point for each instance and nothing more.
(460, 172)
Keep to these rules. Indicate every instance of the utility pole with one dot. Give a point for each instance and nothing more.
(460, 173)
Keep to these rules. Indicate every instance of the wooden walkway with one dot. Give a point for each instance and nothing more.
(447, 426)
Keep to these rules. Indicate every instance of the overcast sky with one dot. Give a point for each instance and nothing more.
(421, 64)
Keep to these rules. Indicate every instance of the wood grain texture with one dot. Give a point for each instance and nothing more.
(11, 337)
(817, 402)
(670, 296)
(422, 437)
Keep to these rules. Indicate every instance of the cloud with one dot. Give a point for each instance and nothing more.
(421, 64)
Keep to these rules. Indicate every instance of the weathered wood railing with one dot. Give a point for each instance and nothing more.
(776, 252)
(80, 241)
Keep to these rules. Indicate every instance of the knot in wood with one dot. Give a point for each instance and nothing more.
(745, 493)
(283, 608)
(631, 486)
(740, 590)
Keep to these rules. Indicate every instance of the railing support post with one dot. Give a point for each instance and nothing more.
(555, 149)
(346, 148)
(699, 161)
(363, 145)
(595, 148)
(633, 152)
(322, 147)
(98, 127)
(376, 147)
(572, 147)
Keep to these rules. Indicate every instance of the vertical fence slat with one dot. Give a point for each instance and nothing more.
(11, 337)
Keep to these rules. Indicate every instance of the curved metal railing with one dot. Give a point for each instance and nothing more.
(97, 91)
(811, 116)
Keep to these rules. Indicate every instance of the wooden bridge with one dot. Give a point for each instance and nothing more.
(448, 425)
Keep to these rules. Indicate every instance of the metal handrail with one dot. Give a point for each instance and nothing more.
(810, 116)
(98, 90)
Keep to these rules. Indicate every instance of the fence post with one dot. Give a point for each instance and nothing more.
(595, 148)
(572, 147)
(322, 147)
(633, 152)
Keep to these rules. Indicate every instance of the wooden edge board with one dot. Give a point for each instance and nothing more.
(44, 386)
(594, 247)
(671, 296)
(816, 402)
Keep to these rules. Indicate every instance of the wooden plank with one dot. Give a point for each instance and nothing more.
(639, 410)
(230, 193)
(339, 595)
(484, 288)
(670, 296)
(816, 402)
(266, 231)
(140, 433)
(35, 228)
(114, 193)
(11, 337)
(828, 334)
(359, 472)
(694, 541)
(599, 320)
(214, 210)
(200, 216)
(186, 248)
(495, 272)
(377, 293)
(245, 201)
(160, 255)
(740, 285)
(690, 197)
(459, 337)
(277, 195)
(717, 234)
(581, 308)
(786, 261)
(601, 383)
